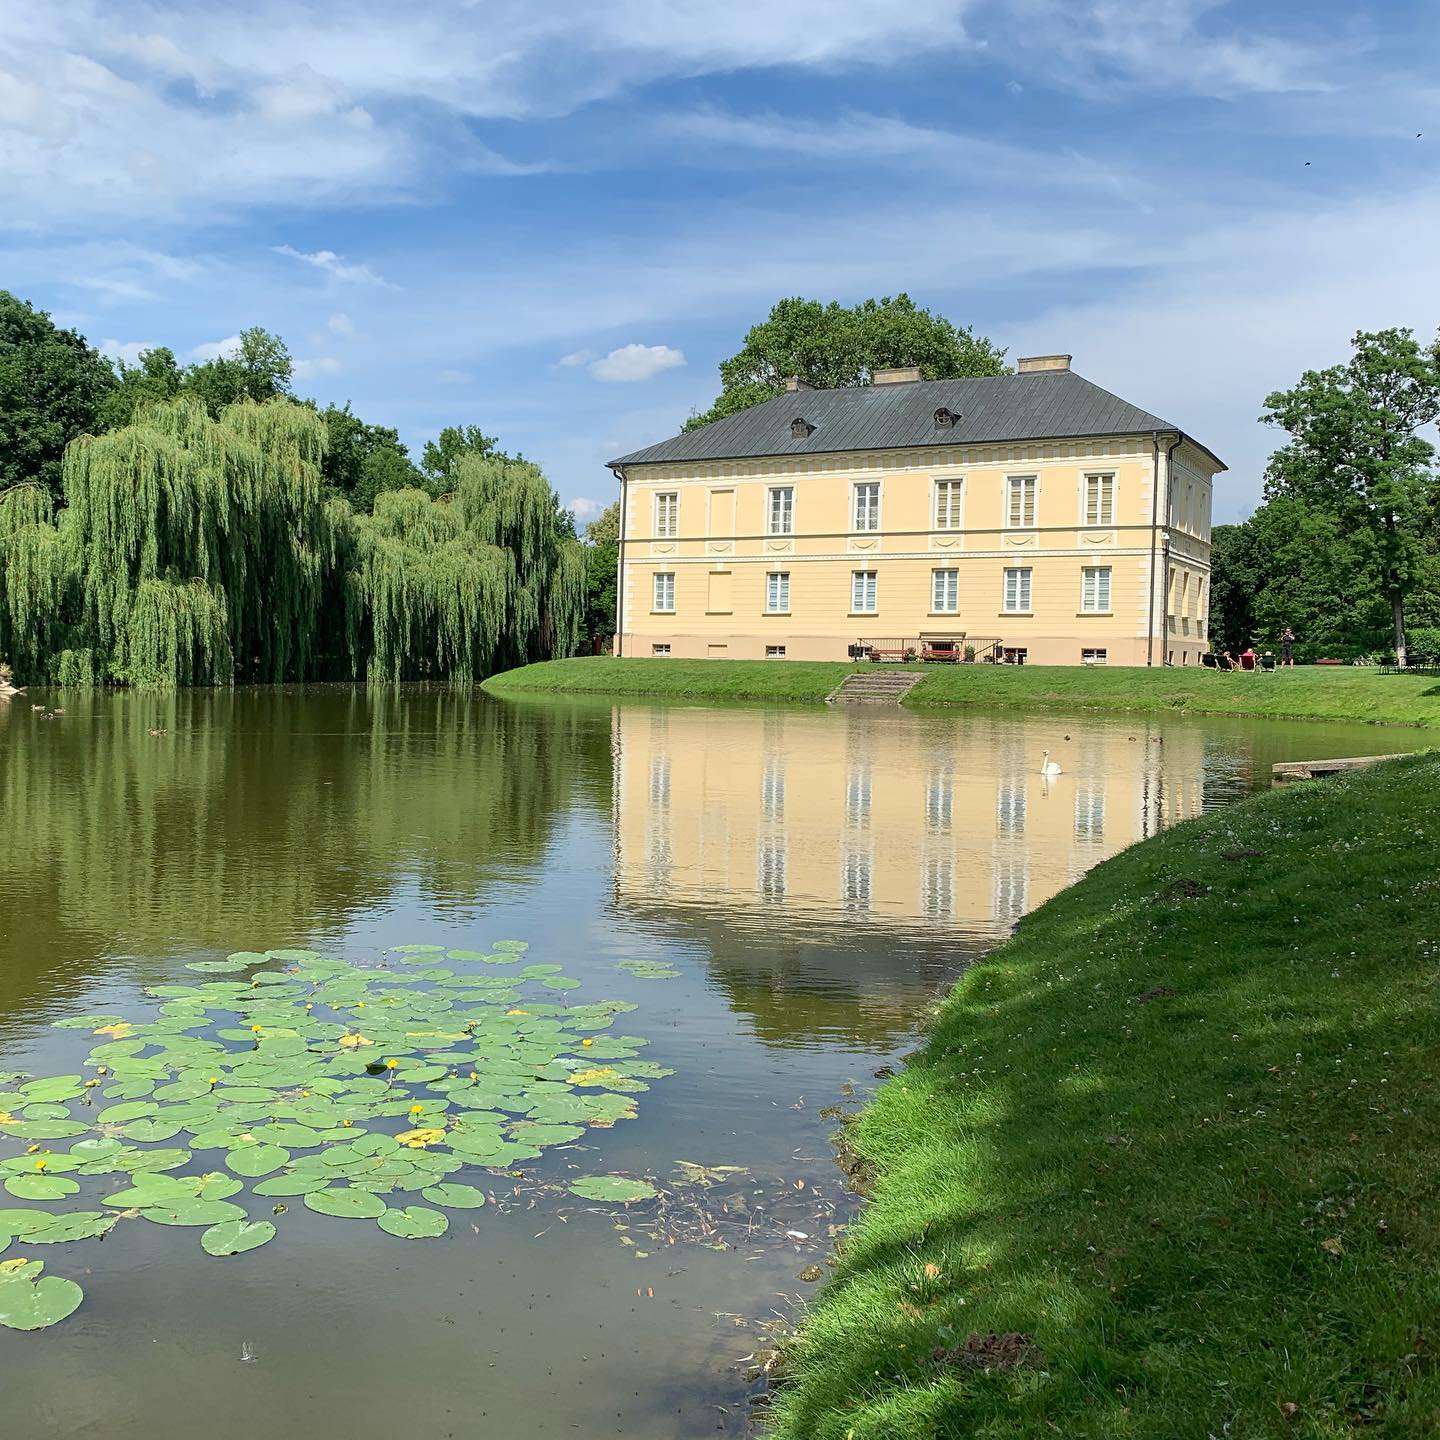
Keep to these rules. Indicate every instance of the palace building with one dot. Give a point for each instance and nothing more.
(1028, 517)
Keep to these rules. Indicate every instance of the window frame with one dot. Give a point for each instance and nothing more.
(1025, 486)
(775, 652)
(855, 595)
(655, 588)
(1094, 655)
(1028, 572)
(659, 650)
(872, 515)
(667, 500)
(954, 487)
(771, 592)
(952, 585)
(780, 511)
(1090, 604)
(1104, 480)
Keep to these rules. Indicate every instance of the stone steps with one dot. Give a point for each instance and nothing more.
(874, 687)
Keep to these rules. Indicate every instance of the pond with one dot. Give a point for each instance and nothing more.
(778, 894)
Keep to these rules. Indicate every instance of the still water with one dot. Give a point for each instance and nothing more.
(817, 878)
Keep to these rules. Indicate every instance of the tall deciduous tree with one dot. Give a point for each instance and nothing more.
(259, 370)
(364, 461)
(829, 346)
(441, 457)
(1355, 453)
(52, 384)
(156, 378)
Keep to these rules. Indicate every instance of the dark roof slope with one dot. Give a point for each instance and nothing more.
(1045, 405)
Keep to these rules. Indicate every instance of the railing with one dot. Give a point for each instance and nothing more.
(928, 649)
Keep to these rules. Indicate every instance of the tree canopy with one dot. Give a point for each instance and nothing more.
(52, 387)
(1355, 459)
(832, 345)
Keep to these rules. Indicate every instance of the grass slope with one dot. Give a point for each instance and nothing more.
(1183, 1131)
(1307, 693)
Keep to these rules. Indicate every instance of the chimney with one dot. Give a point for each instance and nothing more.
(794, 383)
(1030, 364)
(897, 375)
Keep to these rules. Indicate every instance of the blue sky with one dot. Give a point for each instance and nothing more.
(554, 219)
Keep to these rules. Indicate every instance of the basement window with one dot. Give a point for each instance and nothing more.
(659, 649)
(1094, 657)
(774, 652)
(801, 428)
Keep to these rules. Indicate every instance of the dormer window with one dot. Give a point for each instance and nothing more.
(801, 428)
(945, 419)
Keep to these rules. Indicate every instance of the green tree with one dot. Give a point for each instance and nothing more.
(156, 378)
(441, 457)
(1355, 454)
(259, 370)
(605, 528)
(829, 346)
(52, 384)
(363, 461)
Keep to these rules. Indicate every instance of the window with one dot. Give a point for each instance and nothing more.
(867, 506)
(1020, 504)
(801, 428)
(939, 800)
(665, 590)
(1012, 887)
(774, 652)
(660, 780)
(1010, 808)
(855, 879)
(770, 867)
(1099, 499)
(1014, 655)
(782, 510)
(1094, 657)
(667, 515)
(659, 649)
(1095, 589)
(1089, 814)
(937, 887)
(947, 504)
(772, 788)
(862, 592)
(857, 795)
(945, 419)
(945, 591)
(777, 593)
(1017, 591)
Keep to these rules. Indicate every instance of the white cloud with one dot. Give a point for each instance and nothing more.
(636, 362)
(585, 508)
(454, 377)
(215, 349)
(340, 324)
(333, 265)
(577, 357)
(127, 350)
(317, 366)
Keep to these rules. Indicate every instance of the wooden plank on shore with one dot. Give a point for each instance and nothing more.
(1287, 770)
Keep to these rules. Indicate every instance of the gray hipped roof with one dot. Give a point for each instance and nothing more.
(1043, 405)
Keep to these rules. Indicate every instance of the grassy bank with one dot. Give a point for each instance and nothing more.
(1307, 693)
(1181, 1134)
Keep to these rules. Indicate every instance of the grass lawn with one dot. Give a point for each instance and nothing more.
(1173, 1149)
(1315, 692)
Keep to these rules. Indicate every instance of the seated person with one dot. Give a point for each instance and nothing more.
(1267, 662)
(1248, 658)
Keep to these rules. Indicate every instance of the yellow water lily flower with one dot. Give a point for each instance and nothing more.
(41, 1164)
(587, 1042)
(255, 1029)
(391, 1064)
(474, 1076)
(31, 1149)
(347, 1123)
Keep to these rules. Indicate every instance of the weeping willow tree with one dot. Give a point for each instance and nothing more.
(194, 551)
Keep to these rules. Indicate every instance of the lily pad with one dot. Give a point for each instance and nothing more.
(194, 1212)
(291, 1185)
(414, 1222)
(346, 1204)
(41, 1187)
(30, 1301)
(612, 1187)
(253, 1161)
(234, 1237)
(454, 1197)
(77, 1225)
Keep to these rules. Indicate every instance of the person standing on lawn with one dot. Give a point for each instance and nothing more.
(1287, 647)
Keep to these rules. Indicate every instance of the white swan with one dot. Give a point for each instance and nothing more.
(1048, 766)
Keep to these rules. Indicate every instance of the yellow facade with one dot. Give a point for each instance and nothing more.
(1062, 551)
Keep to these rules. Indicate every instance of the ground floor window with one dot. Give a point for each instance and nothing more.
(1090, 656)
(945, 591)
(665, 590)
(774, 652)
(862, 592)
(1014, 655)
(777, 592)
(659, 649)
(1095, 589)
(1017, 590)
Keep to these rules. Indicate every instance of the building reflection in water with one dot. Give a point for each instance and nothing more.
(810, 823)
